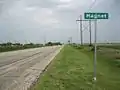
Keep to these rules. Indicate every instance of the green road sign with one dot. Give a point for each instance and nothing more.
(96, 15)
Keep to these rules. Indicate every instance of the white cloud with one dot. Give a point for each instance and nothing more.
(64, 6)
(74, 4)
(45, 16)
(30, 8)
(65, 1)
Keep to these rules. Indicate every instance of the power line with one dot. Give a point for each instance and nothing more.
(81, 28)
(91, 6)
(95, 46)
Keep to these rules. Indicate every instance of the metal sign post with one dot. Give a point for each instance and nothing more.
(95, 17)
(90, 32)
(95, 51)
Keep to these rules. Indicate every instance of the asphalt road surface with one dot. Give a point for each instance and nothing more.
(20, 69)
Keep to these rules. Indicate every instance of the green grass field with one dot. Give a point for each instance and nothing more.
(72, 69)
(111, 46)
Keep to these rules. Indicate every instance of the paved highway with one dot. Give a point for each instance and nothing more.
(20, 69)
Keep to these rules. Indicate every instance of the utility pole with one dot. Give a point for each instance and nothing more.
(71, 40)
(81, 29)
(90, 32)
(44, 39)
(81, 32)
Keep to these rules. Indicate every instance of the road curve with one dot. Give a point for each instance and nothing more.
(20, 69)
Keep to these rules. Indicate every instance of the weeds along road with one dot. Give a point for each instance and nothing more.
(20, 69)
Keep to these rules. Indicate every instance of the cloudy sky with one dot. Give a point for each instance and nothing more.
(55, 20)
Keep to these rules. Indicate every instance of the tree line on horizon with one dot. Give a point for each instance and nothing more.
(9, 46)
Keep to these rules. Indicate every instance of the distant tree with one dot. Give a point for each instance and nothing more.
(3, 44)
(69, 41)
(49, 44)
(38, 45)
(8, 43)
(17, 44)
(53, 43)
(31, 44)
(57, 43)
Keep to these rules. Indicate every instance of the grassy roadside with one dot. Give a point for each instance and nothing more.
(111, 46)
(108, 70)
(72, 69)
